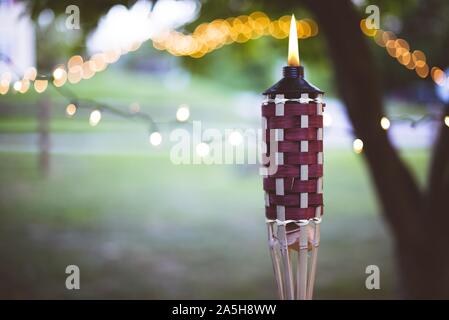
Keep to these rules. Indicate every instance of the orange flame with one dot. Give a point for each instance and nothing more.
(293, 52)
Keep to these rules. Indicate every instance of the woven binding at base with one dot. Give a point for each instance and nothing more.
(295, 190)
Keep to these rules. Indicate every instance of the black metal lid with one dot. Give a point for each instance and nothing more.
(293, 82)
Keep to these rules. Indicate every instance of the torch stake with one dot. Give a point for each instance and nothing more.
(292, 118)
(302, 261)
(314, 256)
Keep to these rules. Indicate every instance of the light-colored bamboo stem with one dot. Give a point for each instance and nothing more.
(288, 276)
(302, 263)
(314, 258)
(275, 260)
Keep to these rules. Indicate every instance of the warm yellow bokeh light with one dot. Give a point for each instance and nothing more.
(112, 56)
(367, 31)
(30, 74)
(4, 89)
(75, 74)
(379, 38)
(401, 43)
(446, 121)
(405, 58)
(422, 71)
(411, 65)
(75, 61)
(285, 24)
(400, 51)
(390, 45)
(99, 62)
(303, 29)
(276, 31)
(25, 86)
(313, 27)
(88, 69)
(419, 58)
(61, 81)
(438, 76)
(5, 81)
(211, 36)
(388, 35)
(70, 110)
(40, 85)
(206, 38)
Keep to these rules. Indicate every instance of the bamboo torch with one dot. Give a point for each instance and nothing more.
(292, 121)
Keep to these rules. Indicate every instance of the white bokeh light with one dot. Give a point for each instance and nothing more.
(155, 138)
(202, 149)
(58, 73)
(95, 117)
(183, 113)
(17, 85)
(357, 145)
(385, 123)
(121, 27)
(235, 138)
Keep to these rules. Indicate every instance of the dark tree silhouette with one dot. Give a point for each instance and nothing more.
(417, 218)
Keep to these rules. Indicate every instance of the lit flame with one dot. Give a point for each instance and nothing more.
(293, 53)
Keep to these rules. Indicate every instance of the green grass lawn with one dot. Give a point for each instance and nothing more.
(141, 227)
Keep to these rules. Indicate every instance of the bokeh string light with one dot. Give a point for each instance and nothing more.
(202, 149)
(211, 36)
(206, 38)
(182, 113)
(235, 138)
(386, 123)
(416, 60)
(400, 50)
(96, 108)
(155, 138)
(357, 145)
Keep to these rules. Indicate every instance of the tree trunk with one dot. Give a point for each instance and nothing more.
(417, 219)
(43, 116)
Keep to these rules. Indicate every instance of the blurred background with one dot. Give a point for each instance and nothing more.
(98, 189)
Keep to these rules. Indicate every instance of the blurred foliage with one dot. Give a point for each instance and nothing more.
(423, 23)
(91, 11)
(55, 44)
